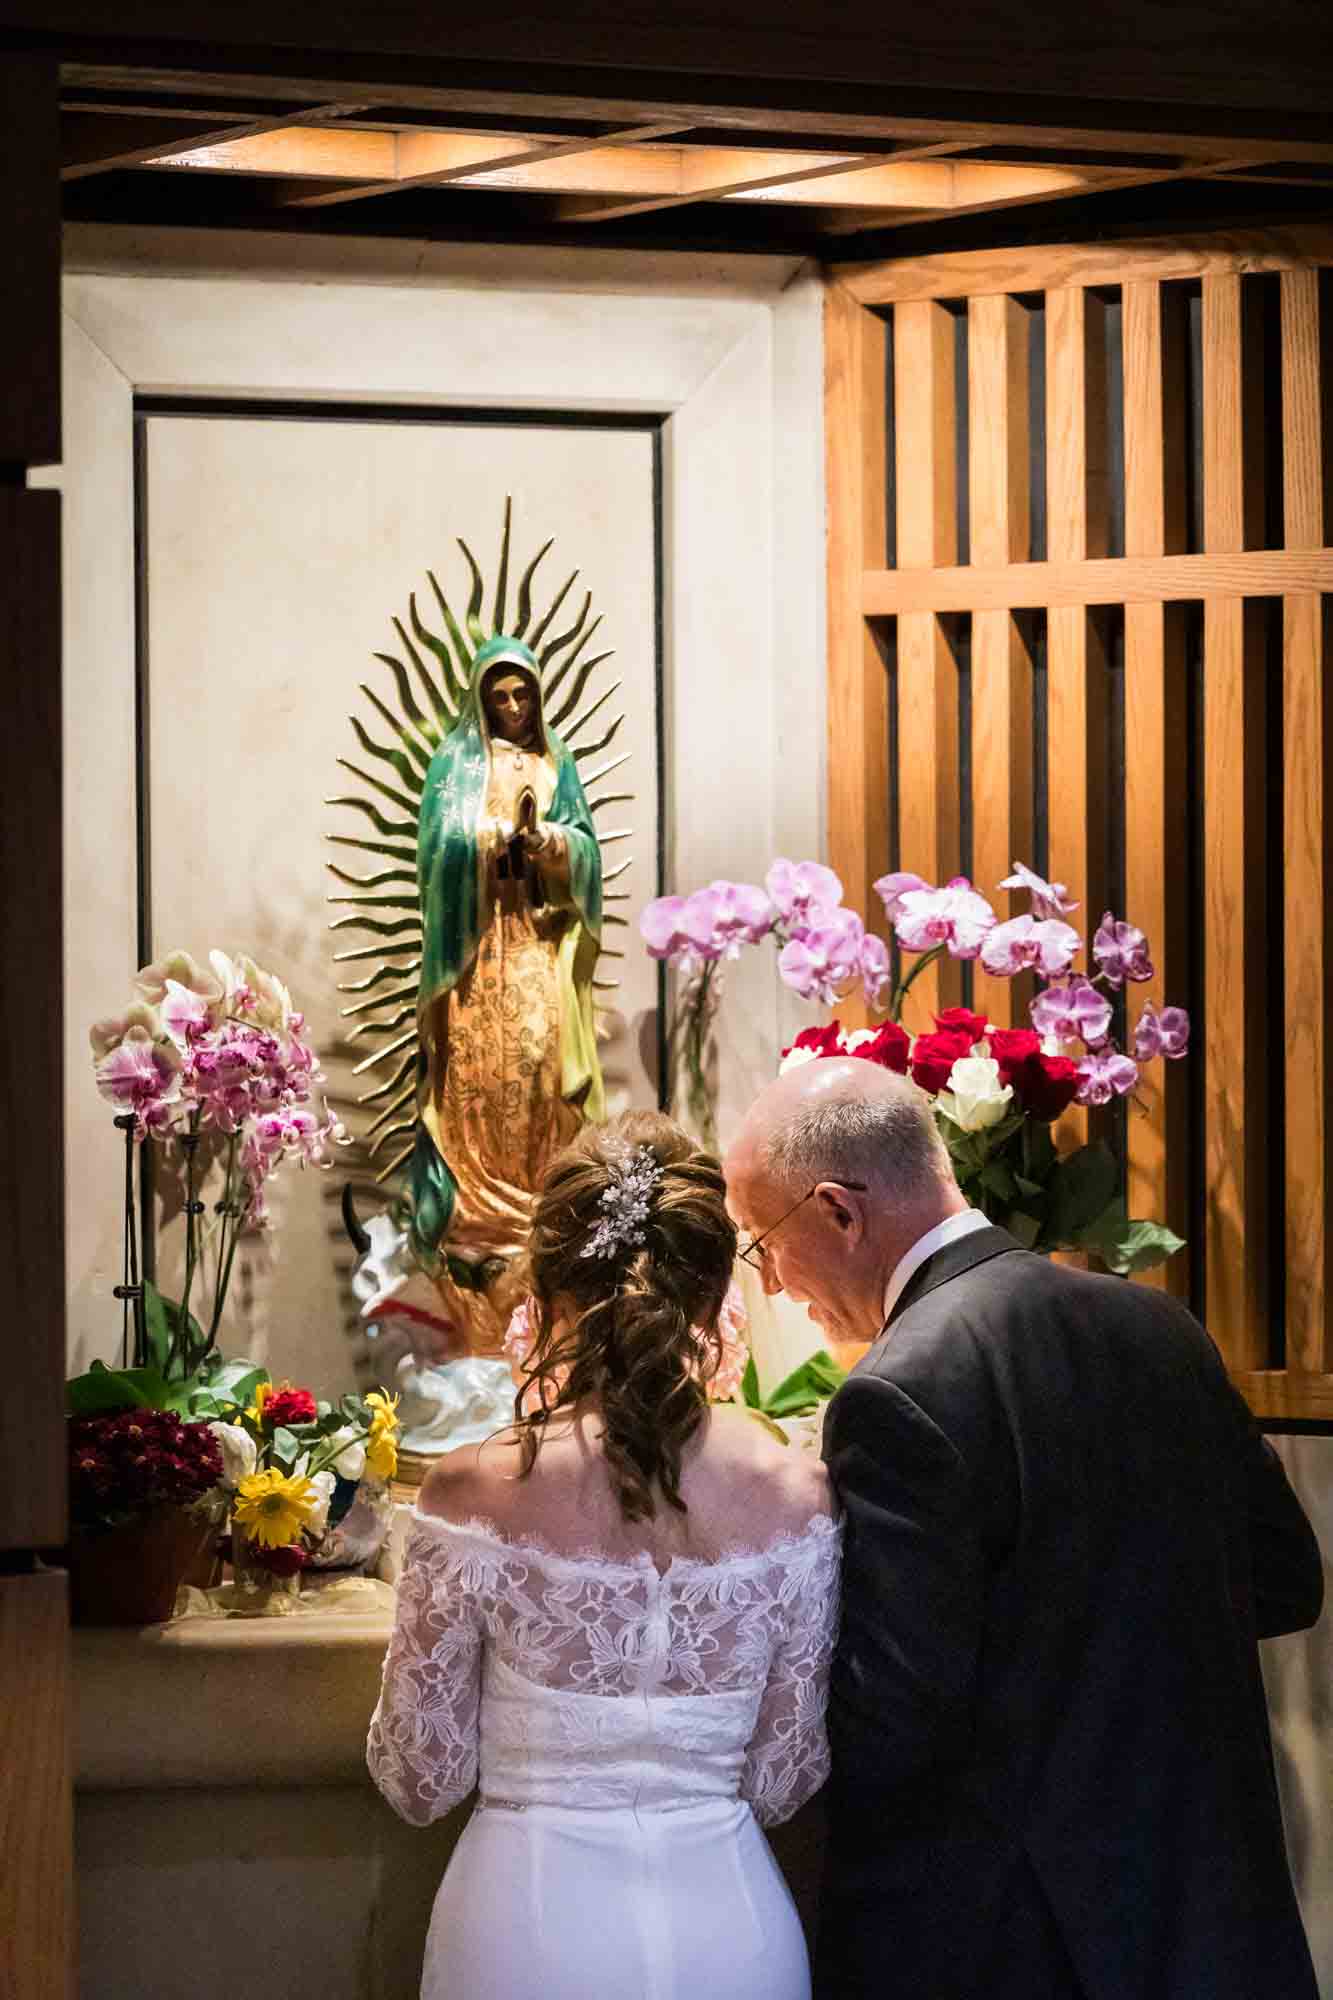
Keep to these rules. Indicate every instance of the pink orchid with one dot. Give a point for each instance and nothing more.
(822, 960)
(718, 920)
(876, 973)
(1121, 952)
(1073, 1012)
(140, 1074)
(179, 969)
(892, 888)
(660, 927)
(186, 1014)
(955, 916)
(1049, 899)
(805, 892)
(1048, 947)
(1165, 1034)
(1103, 1074)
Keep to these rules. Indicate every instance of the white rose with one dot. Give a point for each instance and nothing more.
(351, 1460)
(322, 1483)
(239, 1455)
(794, 1058)
(975, 1098)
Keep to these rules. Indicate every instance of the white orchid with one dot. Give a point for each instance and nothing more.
(240, 1455)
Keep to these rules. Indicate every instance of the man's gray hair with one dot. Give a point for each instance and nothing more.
(890, 1143)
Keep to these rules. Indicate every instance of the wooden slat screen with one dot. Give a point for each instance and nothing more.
(1099, 646)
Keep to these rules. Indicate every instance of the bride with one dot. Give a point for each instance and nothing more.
(617, 1617)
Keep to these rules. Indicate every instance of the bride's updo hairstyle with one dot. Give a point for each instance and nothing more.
(630, 1256)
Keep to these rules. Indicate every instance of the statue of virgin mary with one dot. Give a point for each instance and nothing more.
(509, 877)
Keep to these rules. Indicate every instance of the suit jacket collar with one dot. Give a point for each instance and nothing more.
(950, 1262)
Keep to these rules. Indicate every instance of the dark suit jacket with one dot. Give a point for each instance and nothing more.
(1052, 1772)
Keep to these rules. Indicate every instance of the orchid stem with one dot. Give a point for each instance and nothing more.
(904, 986)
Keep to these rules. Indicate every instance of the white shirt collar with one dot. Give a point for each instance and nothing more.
(950, 1230)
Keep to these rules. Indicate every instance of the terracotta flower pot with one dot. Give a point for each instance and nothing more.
(130, 1575)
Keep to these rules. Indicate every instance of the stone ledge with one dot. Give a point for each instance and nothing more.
(228, 1701)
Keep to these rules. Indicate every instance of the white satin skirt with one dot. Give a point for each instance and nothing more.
(562, 1903)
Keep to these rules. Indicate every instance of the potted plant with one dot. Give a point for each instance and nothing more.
(144, 1500)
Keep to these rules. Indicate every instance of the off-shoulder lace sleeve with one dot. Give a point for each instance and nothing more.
(422, 1748)
(788, 1756)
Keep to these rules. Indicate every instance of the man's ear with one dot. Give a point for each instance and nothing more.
(841, 1209)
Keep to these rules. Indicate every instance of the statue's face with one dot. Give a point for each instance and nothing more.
(511, 707)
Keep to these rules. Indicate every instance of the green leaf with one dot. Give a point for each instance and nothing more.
(287, 1445)
(1082, 1185)
(1025, 1228)
(236, 1381)
(750, 1385)
(805, 1388)
(1028, 1187)
(105, 1389)
(158, 1325)
(1125, 1246)
(997, 1179)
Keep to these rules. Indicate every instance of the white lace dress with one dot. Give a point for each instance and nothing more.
(631, 1730)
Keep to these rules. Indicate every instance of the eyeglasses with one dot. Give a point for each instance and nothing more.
(753, 1253)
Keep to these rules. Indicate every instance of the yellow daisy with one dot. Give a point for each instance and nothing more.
(382, 1442)
(272, 1507)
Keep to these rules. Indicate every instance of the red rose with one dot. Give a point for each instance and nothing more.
(962, 1021)
(290, 1406)
(933, 1056)
(889, 1047)
(279, 1562)
(1011, 1048)
(1045, 1085)
(826, 1041)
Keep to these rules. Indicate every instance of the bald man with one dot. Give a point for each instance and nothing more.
(1052, 1777)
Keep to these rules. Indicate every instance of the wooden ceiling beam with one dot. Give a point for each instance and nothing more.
(704, 186)
(102, 152)
(512, 157)
(856, 127)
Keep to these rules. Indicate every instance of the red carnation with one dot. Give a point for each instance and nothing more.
(933, 1056)
(279, 1562)
(826, 1041)
(889, 1047)
(1045, 1085)
(962, 1021)
(1011, 1048)
(290, 1406)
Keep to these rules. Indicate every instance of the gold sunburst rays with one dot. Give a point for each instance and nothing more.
(431, 670)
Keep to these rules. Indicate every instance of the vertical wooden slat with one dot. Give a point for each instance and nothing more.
(1303, 413)
(1236, 996)
(855, 406)
(1001, 787)
(1076, 495)
(925, 443)
(1153, 345)
(997, 404)
(1156, 832)
(1076, 528)
(1308, 897)
(36, 1840)
(1233, 441)
(998, 419)
(1156, 803)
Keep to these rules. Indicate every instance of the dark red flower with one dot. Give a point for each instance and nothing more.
(279, 1562)
(933, 1056)
(962, 1021)
(1011, 1048)
(290, 1406)
(1045, 1085)
(135, 1459)
(889, 1048)
(825, 1041)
